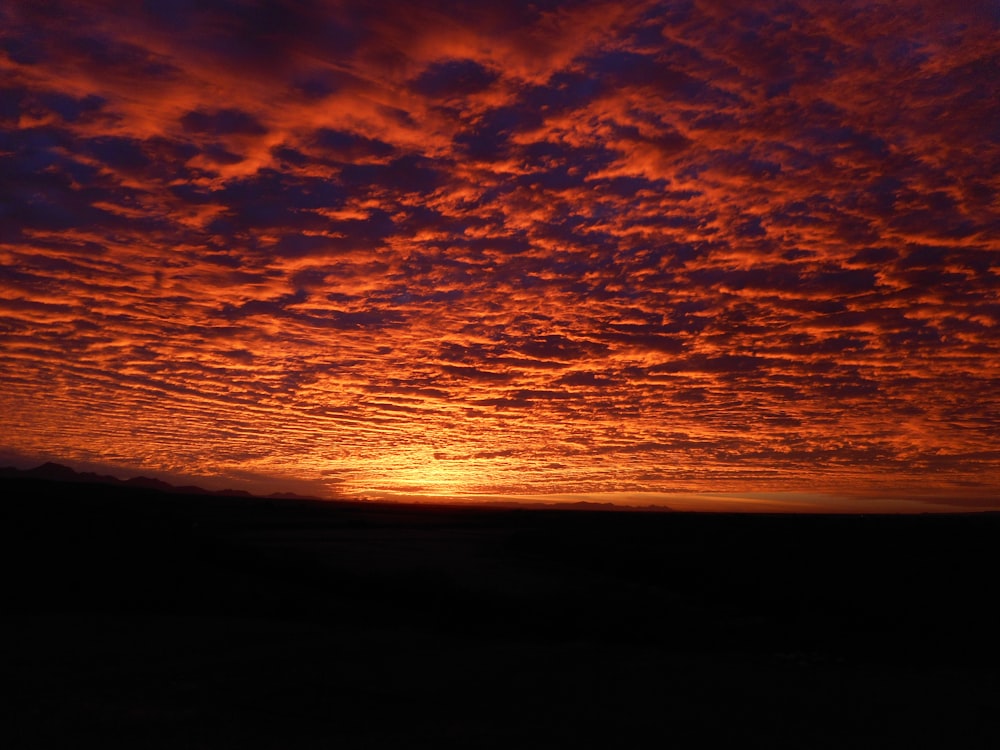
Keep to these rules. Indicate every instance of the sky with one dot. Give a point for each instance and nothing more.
(619, 250)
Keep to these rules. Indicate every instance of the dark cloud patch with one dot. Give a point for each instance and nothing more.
(557, 166)
(316, 87)
(300, 245)
(843, 139)
(488, 139)
(170, 154)
(11, 103)
(537, 394)
(504, 245)
(72, 108)
(278, 194)
(293, 307)
(407, 174)
(738, 164)
(350, 147)
(563, 92)
(560, 348)
(265, 36)
(504, 402)
(260, 307)
(24, 49)
(628, 187)
(726, 364)
(320, 83)
(477, 374)
(219, 154)
(397, 115)
(585, 378)
(122, 154)
(364, 319)
(191, 193)
(42, 190)
(453, 78)
(838, 281)
(875, 256)
(626, 68)
(112, 57)
(934, 257)
(451, 351)
(645, 337)
(228, 121)
(776, 278)
(289, 158)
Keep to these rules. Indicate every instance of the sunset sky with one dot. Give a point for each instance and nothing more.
(642, 252)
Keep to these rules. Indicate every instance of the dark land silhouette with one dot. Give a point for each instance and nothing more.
(142, 616)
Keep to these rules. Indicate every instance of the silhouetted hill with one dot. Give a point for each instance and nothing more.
(54, 472)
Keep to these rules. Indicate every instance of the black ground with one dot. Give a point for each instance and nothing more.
(146, 620)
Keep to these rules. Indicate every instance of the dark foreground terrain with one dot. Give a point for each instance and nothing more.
(138, 619)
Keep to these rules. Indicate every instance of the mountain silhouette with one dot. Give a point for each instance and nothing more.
(54, 472)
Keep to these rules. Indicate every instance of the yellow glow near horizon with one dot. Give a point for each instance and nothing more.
(417, 470)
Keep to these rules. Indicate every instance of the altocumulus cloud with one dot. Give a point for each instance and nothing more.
(509, 248)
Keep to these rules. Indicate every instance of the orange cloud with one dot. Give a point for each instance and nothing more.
(521, 249)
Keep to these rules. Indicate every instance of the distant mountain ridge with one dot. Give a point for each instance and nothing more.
(54, 472)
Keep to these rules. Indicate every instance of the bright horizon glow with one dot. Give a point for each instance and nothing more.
(803, 501)
(717, 502)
